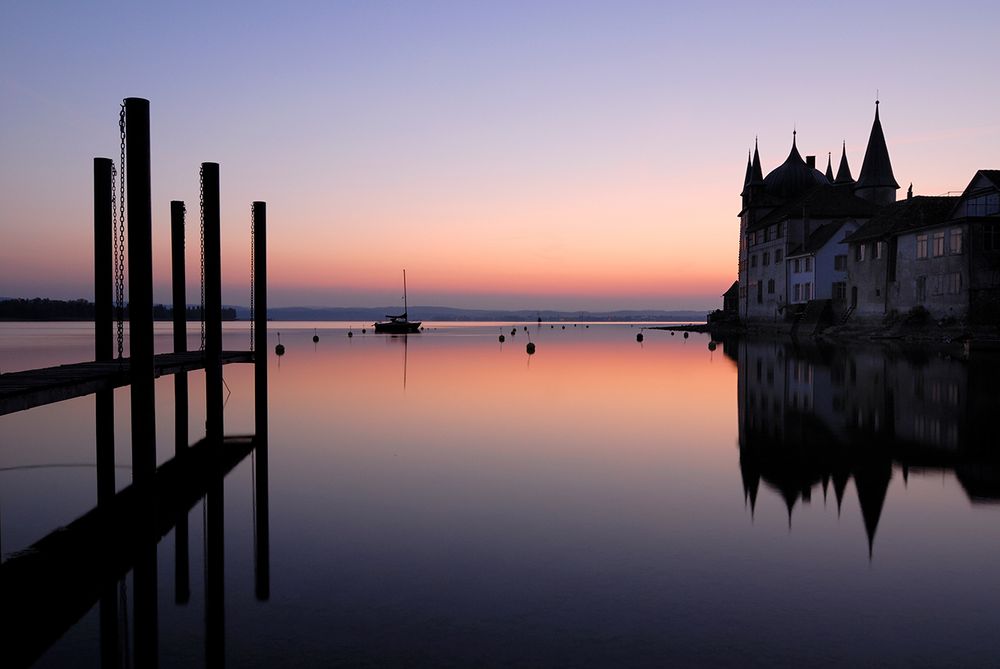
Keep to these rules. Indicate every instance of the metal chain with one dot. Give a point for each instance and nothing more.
(201, 199)
(253, 222)
(119, 242)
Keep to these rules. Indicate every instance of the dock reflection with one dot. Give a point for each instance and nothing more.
(814, 416)
(47, 588)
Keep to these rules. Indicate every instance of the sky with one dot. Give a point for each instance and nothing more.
(556, 155)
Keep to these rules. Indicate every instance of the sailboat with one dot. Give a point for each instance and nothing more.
(400, 324)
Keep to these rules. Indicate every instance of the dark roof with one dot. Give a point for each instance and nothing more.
(756, 175)
(916, 212)
(793, 177)
(733, 291)
(820, 202)
(844, 171)
(992, 175)
(876, 170)
(817, 240)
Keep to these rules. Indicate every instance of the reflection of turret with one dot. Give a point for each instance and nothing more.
(811, 414)
(872, 483)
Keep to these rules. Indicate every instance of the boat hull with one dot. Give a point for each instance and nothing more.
(398, 327)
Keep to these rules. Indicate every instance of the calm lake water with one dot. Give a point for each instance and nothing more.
(443, 500)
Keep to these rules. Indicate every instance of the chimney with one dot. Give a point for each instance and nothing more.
(909, 192)
(811, 162)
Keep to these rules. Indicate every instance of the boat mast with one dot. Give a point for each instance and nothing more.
(406, 310)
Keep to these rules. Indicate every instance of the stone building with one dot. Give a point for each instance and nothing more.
(817, 243)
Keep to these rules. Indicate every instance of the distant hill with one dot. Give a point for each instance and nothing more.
(39, 309)
(432, 313)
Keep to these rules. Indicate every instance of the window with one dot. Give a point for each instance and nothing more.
(777, 255)
(921, 246)
(840, 262)
(955, 241)
(991, 238)
(770, 286)
(772, 232)
(781, 229)
(753, 260)
(921, 289)
(879, 250)
(760, 292)
(938, 246)
(839, 290)
(807, 291)
(859, 252)
(766, 258)
(984, 205)
(796, 292)
(798, 266)
(809, 263)
(953, 283)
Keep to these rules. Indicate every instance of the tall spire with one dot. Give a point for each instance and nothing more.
(746, 179)
(844, 171)
(876, 181)
(757, 174)
(829, 166)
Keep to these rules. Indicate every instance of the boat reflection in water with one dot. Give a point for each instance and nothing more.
(814, 416)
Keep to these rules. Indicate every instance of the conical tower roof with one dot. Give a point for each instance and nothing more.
(844, 171)
(756, 174)
(829, 167)
(876, 170)
(746, 179)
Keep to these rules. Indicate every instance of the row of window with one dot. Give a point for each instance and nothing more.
(941, 284)
(873, 250)
(802, 264)
(802, 292)
(765, 258)
(984, 205)
(769, 234)
(937, 243)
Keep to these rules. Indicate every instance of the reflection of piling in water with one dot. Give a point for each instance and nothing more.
(182, 570)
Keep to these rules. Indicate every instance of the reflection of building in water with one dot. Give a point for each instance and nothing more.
(815, 415)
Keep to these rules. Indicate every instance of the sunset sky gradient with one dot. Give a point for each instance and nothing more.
(565, 155)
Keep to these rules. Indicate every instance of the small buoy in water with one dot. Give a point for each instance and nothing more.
(685, 335)
(587, 326)
(525, 328)
(552, 327)
(315, 336)
(530, 348)
(280, 348)
(672, 333)
(502, 339)
(712, 346)
(513, 332)
(350, 334)
(638, 337)
(363, 330)
(564, 327)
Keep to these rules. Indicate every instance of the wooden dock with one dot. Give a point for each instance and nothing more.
(36, 387)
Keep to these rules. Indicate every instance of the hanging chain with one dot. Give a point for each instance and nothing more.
(201, 199)
(119, 239)
(253, 240)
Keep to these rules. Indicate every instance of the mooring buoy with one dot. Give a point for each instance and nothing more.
(350, 334)
(638, 337)
(530, 348)
(315, 336)
(502, 339)
(513, 332)
(712, 346)
(685, 335)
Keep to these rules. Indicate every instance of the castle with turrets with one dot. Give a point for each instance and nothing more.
(818, 248)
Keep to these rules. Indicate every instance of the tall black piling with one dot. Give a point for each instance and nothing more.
(140, 282)
(140, 279)
(262, 547)
(213, 301)
(182, 570)
(104, 323)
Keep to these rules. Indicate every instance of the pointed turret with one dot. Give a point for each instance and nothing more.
(844, 171)
(872, 483)
(876, 182)
(829, 166)
(746, 179)
(756, 173)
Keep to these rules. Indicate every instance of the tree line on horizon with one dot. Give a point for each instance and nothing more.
(42, 309)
